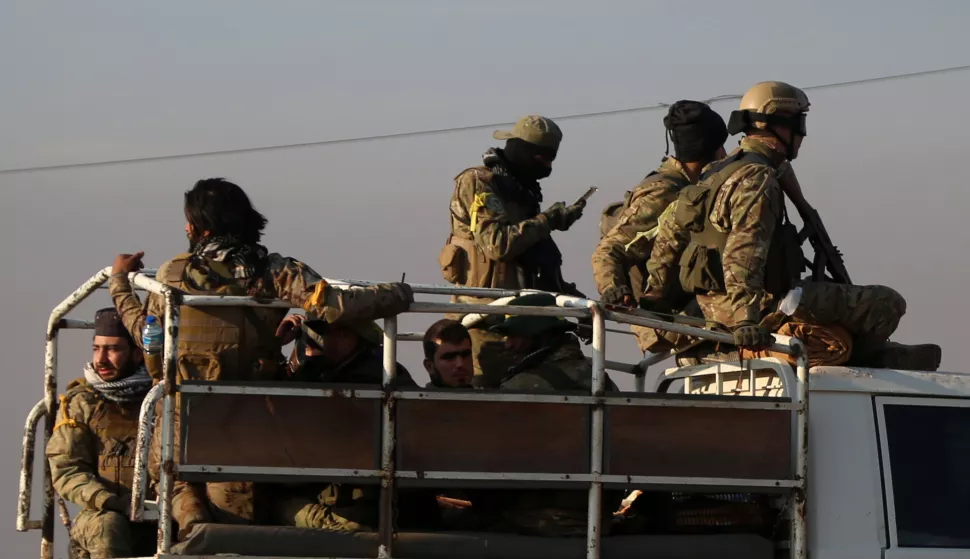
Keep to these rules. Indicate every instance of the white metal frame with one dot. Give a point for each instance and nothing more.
(566, 306)
(887, 475)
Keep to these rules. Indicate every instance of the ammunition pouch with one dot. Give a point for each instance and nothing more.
(701, 266)
(116, 429)
(454, 263)
(701, 270)
(786, 260)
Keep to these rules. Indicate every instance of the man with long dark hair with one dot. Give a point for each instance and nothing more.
(234, 343)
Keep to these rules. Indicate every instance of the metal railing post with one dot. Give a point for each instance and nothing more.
(594, 512)
(50, 399)
(27, 468)
(167, 474)
(799, 509)
(386, 513)
(50, 402)
(146, 424)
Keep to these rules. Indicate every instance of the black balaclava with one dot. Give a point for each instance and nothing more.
(520, 155)
(696, 130)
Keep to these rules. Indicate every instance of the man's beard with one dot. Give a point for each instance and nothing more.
(124, 372)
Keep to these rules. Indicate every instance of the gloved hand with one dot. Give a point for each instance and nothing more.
(752, 336)
(573, 213)
(618, 295)
(561, 217)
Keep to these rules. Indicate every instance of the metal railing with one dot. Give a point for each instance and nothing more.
(566, 306)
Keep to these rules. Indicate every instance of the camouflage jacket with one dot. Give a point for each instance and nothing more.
(565, 368)
(626, 247)
(284, 278)
(747, 208)
(495, 219)
(92, 449)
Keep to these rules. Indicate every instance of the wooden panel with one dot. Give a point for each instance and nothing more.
(698, 442)
(492, 437)
(282, 431)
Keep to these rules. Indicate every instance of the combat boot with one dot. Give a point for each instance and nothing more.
(892, 355)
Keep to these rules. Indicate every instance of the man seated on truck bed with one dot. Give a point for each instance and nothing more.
(448, 355)
(547, 358)
(92, 449)
(348, 352)
(232, 343)
(344, 352)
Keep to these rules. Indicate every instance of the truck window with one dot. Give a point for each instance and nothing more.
(929, 454)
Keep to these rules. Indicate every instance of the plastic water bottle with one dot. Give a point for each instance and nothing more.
(152, 336)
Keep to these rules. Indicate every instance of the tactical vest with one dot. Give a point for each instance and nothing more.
(611, 214)
(701, 269)
(116, 427)
(222, 343)
(637, 275)
(463, 262)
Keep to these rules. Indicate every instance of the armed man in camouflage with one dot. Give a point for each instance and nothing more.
(346, 352)
(499, 237)
(620, 259)
(731, 240)
(548, 358)
(92, 449)
(234, 343)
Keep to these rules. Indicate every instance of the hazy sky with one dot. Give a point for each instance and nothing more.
(96, 81)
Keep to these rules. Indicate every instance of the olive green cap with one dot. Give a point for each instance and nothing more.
(534, 129)
(523, 325)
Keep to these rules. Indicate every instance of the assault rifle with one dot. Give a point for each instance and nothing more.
(827, 256)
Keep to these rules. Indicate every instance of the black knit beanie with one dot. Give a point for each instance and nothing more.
(695, 129)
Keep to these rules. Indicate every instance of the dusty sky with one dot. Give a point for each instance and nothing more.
(103, 81)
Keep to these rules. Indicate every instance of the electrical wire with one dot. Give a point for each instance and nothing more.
(655, 106)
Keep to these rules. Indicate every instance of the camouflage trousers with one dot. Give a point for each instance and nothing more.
(869, 313)
(305, 507)
(106, 533)
(192, 503)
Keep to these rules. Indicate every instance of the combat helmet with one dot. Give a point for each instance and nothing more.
(770, 104)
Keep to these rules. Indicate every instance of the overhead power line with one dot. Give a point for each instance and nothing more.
(456, 128)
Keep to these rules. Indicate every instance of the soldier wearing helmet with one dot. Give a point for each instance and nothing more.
(728, 240)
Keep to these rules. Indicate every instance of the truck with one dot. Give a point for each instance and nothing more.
(765, 458)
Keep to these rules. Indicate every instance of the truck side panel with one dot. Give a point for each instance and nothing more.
(845, 504)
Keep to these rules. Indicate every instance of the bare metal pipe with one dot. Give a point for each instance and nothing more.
(50, 399)
(386, 518)
(27, 467)
(167, 474)
(799, 512)
(594, 511)
(146, 423)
